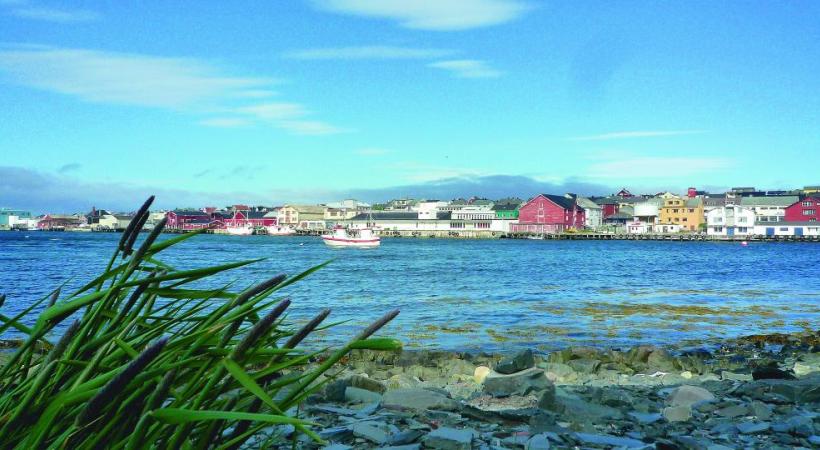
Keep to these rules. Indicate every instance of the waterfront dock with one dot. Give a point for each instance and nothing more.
(658, 237)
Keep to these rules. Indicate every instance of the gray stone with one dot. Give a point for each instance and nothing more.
(585, 365)
(366, 383)
(718, 447)
(538, 442)
(337, 447)
(335, 390)
(450, 439)
(687, 395)
(357, 395)
(402, 447)
(726, 375)
(733, 411)
(606, 439)
(646, 418)
(752, 427)
(519, 383)
(417, 399)
(558, 371)
(661, 360)
(680, 413)
(516, 363)
(801, 425)
(372, 431)
(761, 410)
(405, 437)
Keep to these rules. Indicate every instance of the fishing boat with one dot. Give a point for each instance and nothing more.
(342, 237)
(245, 230)
(276, 230)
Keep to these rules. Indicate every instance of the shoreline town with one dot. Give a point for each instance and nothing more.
(742, 213)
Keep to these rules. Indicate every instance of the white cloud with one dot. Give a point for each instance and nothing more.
(180, 84)
(310, 127)
(56, 15)
(656, 167)
(635, 134)
(123, 78)
(439, 15)
(468, 68)
(274, 111)
(369, 52)
(225, 122)
(372, 151)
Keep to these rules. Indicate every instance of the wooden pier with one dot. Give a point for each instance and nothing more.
(680, 237)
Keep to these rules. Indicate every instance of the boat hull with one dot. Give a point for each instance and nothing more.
(240, 231)
(351, 242)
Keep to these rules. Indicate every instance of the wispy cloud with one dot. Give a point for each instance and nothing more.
(181, 84)
(56, 15)
(656, 167)
(225, 122)
(417, 172)
(291, 117)
(123, 78)
(368, 52)
(372, 151)
(635, 134)
(468, 68)
(71, 167)
(435, 15)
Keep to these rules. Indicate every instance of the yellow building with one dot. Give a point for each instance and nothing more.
(686, 212)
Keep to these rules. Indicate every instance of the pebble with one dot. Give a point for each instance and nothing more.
(606, 439)
(480, 374)
(688, 395)
(680, 413)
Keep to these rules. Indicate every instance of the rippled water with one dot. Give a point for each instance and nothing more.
(463, 294)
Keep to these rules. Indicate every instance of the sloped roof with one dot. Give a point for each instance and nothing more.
(586, 203)
(560, 200)
(780, 200)
(504, 207)
(315, 209)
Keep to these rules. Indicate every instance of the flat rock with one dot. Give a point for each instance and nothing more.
(585, 365)
(417, 399)
(733, 411)
(402, 447)
(445, 438)
(687, 395)
(753, 427)
(358, 395)
(609, 440)
(538, 442)
(374, 432)
(646, 418)
(558, 371)
(519, 383)
(520, 361)
(680, 413)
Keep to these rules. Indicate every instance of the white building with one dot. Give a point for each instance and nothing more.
(426, 222)
(769, 208)
(593, 215)
(730, 221)
(787, 229)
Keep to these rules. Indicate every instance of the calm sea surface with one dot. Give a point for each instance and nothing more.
(486, 295)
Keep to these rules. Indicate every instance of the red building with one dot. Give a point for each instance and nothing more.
(252, 218)
(805, 210)
(60, 222)
(609, 208)
(192, 219)
(547, 213)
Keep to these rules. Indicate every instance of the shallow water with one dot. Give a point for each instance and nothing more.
(488, 295)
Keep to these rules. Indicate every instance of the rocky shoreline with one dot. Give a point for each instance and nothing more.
(752, 392)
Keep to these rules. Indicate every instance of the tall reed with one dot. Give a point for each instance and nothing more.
(153, 360)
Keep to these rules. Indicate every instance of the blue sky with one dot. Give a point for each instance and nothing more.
(269, 102)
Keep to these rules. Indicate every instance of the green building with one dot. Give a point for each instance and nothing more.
(506, 211)
(7, 216)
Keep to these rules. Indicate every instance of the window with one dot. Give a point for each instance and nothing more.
(718, 229)
(675, 211)
(784, 228)
(482, 225)
(691, 210)
(742, 230)
(806, 203)
(741, 219)
(456, 224)
(812, 220)
(684, 219)
(808, 212)
(719, 219)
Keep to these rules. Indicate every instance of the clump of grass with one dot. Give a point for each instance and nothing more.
(152, 362)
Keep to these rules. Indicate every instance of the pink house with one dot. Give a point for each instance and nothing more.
(547, 213)
(805, 210)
